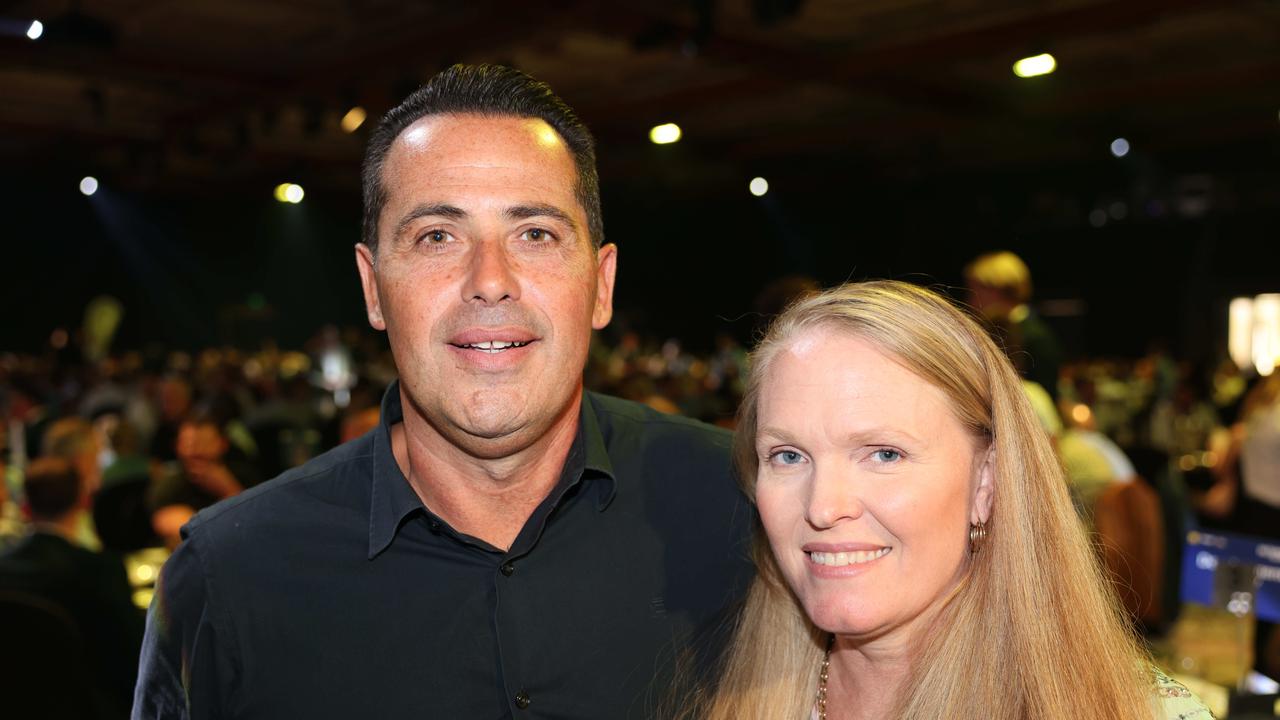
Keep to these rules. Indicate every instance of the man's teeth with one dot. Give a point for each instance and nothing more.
(494, 346)
(841, 559)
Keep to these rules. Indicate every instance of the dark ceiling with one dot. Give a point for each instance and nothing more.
(165, 93)
(896, 139)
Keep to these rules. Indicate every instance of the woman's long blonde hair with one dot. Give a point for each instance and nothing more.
(1031, 632)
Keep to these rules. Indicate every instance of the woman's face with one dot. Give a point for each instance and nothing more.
(866, 485)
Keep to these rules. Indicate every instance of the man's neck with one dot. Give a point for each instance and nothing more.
(489, 498)
(64, 527)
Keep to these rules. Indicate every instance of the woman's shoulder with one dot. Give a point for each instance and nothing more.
(1176, 702)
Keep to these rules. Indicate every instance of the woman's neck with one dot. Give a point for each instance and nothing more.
(864, 679)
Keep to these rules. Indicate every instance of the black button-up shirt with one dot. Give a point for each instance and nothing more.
(332, 592)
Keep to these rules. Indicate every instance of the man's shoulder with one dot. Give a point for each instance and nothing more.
(665, 453)
(624, 417)
(329, 476)
(48, 559)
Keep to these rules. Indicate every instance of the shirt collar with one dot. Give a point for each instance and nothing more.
(392, 499)
(597, 460)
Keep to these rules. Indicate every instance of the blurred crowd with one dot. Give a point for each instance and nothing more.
(155, 436)
(105, 455)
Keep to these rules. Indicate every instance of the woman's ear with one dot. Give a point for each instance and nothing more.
(985, 489)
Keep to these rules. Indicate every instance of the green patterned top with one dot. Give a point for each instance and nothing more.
(1173, 701)
(1176, 702)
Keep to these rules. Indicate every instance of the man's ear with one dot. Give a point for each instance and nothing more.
(985, 489)
(369, 284)
(606, 268)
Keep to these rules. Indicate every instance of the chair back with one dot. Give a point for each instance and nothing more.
(44, 674)
(1130, 527)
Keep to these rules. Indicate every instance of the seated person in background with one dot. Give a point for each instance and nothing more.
(173, 400)
(1093, 461)
(75, 440)
(920, 555)
(999, 286)
(210, 469)
(91, 587)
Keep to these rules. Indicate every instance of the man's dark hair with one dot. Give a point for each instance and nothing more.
(487, 90)
(51, 487)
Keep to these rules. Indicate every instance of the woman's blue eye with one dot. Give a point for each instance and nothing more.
(887, 455)
(788, 457)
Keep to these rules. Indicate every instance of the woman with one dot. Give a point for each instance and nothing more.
(923, 559)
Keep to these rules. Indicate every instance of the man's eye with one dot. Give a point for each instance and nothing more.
(537, 235)
(435, 236)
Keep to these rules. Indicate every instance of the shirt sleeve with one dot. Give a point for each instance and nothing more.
(187, 664)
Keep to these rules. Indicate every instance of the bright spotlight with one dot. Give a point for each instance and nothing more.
(1042, 64)
(35, 30)
(88, 185)
(1119, 147)
(759, 186)
(354, 118)
(289, 193)
(665, 134)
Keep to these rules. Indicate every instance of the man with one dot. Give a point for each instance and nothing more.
(75, 440)
(91, 588)
(209, 469)
(502, 545)
(999, 286)
(174, 403)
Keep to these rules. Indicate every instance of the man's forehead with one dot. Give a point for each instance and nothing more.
(481, 134)
(474, 161)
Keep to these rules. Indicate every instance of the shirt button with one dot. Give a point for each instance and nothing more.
(522, 699)
(506, 569)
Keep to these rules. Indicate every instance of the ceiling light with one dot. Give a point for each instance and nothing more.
(354, 118)
(1041, 64)
(759, 186)
(289, 193)
(665, 134)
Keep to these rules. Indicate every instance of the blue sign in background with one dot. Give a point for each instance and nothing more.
(1205, 552)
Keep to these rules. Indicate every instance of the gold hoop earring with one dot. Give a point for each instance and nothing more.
(977, 535)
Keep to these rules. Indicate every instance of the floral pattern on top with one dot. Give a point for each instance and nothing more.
(1176, 701)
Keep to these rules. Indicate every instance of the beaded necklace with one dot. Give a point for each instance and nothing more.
(821, 701)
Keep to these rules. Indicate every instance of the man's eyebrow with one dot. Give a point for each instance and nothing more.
(524, 212)
(452, 212)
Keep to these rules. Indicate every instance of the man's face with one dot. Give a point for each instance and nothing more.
(486, 279)
(200, 442)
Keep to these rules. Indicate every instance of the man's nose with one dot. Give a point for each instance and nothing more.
(834, 496)
(490, 275)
